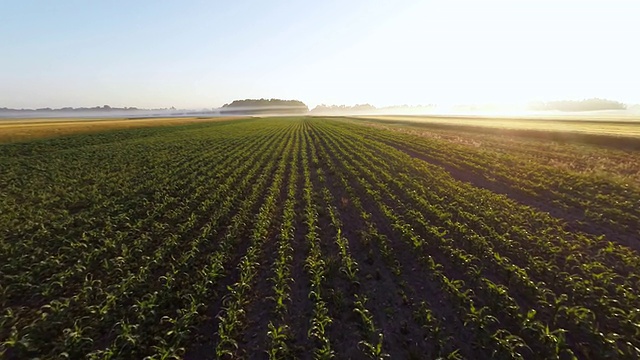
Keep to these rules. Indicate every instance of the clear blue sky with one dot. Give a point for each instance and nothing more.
(194, 54)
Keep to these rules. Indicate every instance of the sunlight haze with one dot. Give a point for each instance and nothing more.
(202, 54)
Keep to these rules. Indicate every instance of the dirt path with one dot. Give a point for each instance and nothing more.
(575, 218)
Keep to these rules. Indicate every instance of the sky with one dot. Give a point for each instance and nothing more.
(202, 54)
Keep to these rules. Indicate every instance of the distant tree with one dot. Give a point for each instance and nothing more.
(262, 106)
(343, 109)
(581, 105)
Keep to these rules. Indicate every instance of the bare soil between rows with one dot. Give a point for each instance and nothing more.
(574, 219)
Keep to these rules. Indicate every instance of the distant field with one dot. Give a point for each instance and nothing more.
(15, 130)
(618, 126)
(308, 237)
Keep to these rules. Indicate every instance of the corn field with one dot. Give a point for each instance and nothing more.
(312, 238)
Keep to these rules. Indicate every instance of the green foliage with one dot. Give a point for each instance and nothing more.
(261, 106)
(131, 244)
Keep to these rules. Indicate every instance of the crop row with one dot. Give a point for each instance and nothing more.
(303, 238)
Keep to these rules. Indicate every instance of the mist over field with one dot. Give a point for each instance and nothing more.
(590, 108)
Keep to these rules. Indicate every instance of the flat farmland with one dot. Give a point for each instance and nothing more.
(317, 237)
(16, 130)
(611, 125)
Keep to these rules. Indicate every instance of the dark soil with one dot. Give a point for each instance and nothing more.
(574, 218)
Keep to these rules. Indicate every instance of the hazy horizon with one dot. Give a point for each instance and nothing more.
(193, 54)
